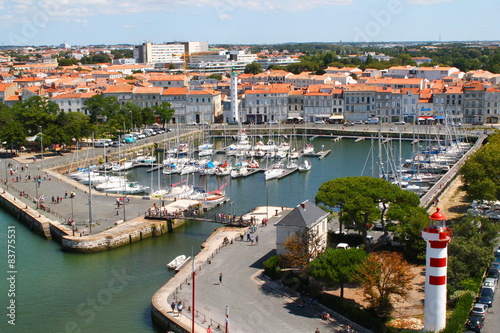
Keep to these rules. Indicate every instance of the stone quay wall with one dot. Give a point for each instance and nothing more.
(35, 221)
(120, 235)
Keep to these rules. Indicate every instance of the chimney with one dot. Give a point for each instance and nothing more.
(303, 205)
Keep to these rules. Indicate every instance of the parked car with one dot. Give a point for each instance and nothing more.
(319, 122)
(486, 296)
(344, 246)
(192, 123)
(116, 143)
(400, 123)
(357, 122)
(479, 309)
(493, 273)
(495, 264)
(272, 122)
(490, 283)
(260, 122)
(475, 323)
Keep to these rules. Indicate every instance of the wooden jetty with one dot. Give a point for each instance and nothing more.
(338, 138)
(324, 153)
(359, 139)
(313, 138)
(288, 172)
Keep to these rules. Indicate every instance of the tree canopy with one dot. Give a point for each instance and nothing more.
(253, 68)
(364, 201)
(385, 276)
(301, 248)
(481, 172)
(470, 250)
(337, 266)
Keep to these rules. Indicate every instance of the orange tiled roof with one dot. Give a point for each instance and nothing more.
(148, 90)
(122, 88)
(175, 91)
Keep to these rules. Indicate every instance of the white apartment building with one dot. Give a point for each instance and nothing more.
(448, 104)
(359, 102)
(150, 53)
(266, 105)
(72, 102)
(195, 47)
(474, 98)
(435, 73)
(492, 106)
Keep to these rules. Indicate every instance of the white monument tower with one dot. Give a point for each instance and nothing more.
(437, 237)
(234, 115)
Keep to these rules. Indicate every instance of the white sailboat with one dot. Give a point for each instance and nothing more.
(305, 166)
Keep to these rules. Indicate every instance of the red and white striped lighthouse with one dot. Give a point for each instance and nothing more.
(437, 236)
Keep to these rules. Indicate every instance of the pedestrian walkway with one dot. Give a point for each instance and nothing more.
(254, 303)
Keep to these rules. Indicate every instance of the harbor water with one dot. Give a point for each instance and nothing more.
(111, 291)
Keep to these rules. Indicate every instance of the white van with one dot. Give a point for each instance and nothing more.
(373, 120)
(344, 246)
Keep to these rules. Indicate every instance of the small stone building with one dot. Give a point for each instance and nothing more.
(306, 216)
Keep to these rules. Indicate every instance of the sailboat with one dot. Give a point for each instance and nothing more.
(305, 166)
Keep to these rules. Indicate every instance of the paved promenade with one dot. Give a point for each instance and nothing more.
(105, 211)
(255, 304)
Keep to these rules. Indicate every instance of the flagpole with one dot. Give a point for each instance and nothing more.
(193, 311)
(227, 318)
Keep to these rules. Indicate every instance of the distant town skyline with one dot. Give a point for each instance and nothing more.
(79, 22)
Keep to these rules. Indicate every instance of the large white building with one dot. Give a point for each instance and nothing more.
(150, 53)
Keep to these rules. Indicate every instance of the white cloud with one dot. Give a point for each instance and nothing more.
(225, 17)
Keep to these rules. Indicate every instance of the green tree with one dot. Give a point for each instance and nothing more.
(481, 172)
(364, 200)
(34, 113)
(217, 77)
(13, 134)
(337, 266)
(67, 62)
(100, 107)
(165, 112)
(470, 250)
(253, 68)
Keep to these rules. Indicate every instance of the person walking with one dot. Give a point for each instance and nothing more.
(317, 330)
(209, 329)
(257, 240)
(173, 307)
(220, 278)
(179, 308)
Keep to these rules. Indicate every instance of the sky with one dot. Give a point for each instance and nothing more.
(86, 22)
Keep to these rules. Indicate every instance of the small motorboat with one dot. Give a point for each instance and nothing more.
(178, 262)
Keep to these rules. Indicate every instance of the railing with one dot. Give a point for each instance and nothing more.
(444, 181)
(200, 317)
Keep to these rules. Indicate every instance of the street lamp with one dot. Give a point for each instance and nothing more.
(232, 208)
(267, 201)
(131, 120)
(37, 185)
(72, 215)
(41, 142)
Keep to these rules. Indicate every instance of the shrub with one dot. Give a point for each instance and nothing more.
(460, 314)
(272, 268)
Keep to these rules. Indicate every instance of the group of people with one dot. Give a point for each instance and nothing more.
(177, 306)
